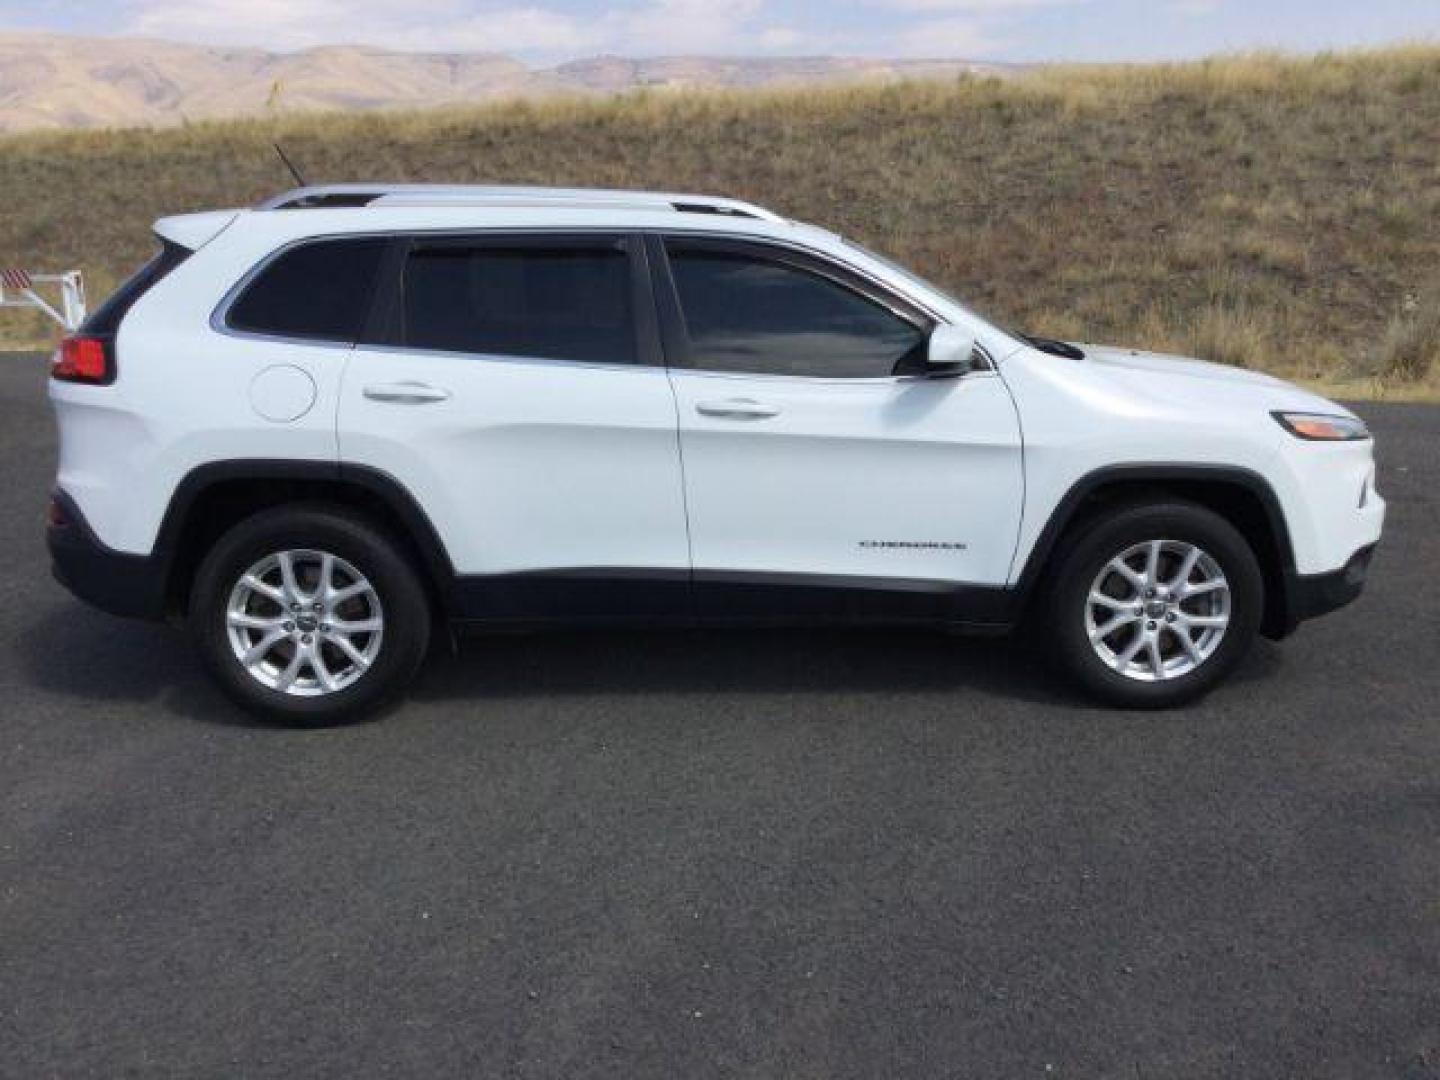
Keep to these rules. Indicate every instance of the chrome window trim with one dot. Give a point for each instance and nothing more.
(832, 380)
(498, 358)
(886, 289)
(819, 255)
(219, 316)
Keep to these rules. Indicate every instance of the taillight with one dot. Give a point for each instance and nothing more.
(55, 516)
(84, 359)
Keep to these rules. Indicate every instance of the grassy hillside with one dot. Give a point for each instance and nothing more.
(1281, 214)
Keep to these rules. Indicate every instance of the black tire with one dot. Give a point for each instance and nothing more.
(321, 528)
(1091, 547)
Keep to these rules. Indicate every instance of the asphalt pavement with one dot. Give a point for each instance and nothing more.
(780, 854)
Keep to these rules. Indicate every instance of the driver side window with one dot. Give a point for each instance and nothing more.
(746, 313)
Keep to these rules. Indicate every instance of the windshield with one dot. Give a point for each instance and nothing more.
(1044, 344)
(906, 273)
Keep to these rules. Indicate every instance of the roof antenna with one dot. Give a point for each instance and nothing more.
(289, 165)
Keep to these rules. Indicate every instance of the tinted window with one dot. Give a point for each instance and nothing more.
(320, 290)
(745, 313)
(552, 302)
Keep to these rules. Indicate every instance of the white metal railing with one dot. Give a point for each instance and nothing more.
(18, 289)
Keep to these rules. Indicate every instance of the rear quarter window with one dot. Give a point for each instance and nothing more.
(317, 291)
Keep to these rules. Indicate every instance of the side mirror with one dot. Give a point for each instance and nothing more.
(951, 351)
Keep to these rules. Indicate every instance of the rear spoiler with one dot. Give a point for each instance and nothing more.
(20, 288)
(194, 231)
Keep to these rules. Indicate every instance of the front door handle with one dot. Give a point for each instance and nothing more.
(406, 393)
(737, 409)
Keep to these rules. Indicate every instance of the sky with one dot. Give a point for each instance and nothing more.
(552, 30)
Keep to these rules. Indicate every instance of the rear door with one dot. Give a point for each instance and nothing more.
(511, 383)
(827, 473)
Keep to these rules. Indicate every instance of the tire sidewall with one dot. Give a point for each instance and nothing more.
(402, 602)
(1106, 538)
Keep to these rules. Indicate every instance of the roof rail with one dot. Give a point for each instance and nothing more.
(335, 196)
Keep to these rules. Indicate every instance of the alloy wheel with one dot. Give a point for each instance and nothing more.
(304, 623)
(1158, 610)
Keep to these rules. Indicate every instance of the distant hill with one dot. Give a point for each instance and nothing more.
(59, 81)
(1280, 214)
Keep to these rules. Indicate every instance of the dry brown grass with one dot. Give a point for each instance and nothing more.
(1409, 351)
(1257, 210)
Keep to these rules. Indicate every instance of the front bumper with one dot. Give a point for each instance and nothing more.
(1310, 596)
(1321, 594)
(129, 585)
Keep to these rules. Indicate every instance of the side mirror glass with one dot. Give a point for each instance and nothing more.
(951, 351)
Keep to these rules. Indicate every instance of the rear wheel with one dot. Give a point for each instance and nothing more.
(309, 614)
(1151, 606)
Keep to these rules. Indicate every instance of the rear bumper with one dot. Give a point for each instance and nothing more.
(129, 585)
(1310, 596)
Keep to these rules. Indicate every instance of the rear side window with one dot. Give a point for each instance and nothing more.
(318, 291)
(105, 320)
(555, 300)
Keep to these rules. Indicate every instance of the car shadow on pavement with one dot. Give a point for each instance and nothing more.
(154, 664)
(741, 661)
(125, 663)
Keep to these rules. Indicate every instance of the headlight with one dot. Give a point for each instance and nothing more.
(1318, 427)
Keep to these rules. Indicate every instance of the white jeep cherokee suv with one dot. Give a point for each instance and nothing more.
(319, 429)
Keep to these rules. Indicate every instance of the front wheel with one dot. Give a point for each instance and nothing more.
(1152, 606)
(309, 615)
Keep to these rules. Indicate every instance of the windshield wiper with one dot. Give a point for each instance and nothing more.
(1053, 347)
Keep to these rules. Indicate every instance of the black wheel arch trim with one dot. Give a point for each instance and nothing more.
(421, 532)
(1067, 511)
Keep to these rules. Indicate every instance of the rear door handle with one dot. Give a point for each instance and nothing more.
(406, 393)
(737, 409)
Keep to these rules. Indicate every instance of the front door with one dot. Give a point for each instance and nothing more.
(825, 473)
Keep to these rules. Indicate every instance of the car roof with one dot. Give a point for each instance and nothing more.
(335, 210)
(341, 209)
